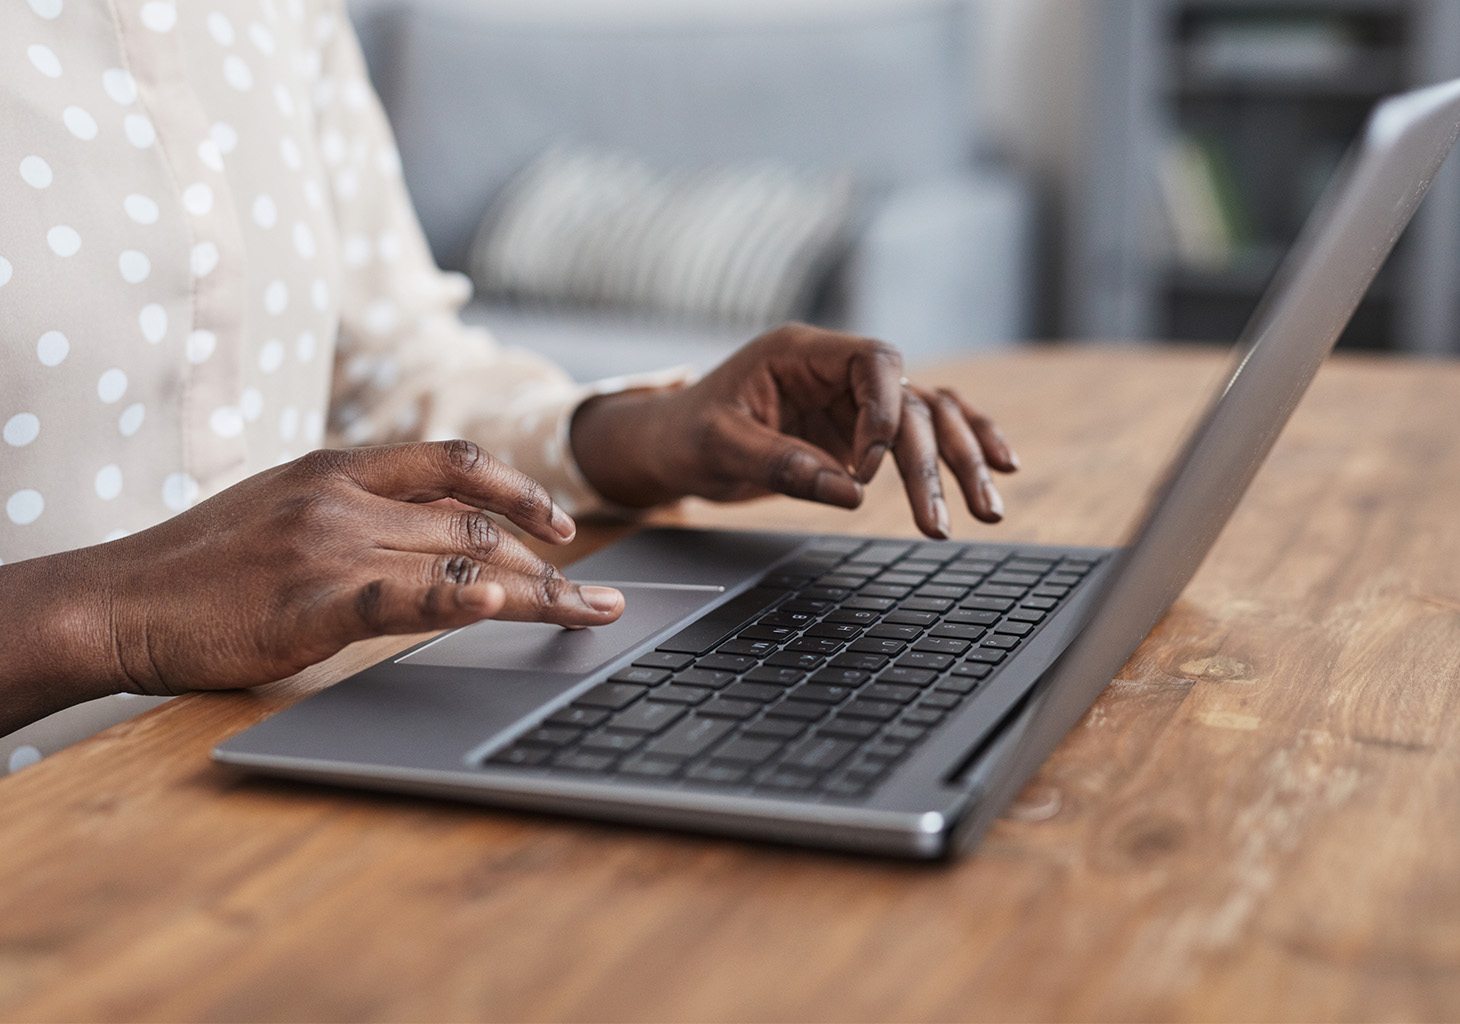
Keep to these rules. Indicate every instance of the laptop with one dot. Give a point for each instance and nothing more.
(877, 695)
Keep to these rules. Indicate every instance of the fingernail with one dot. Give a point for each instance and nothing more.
(563, 524)
(871, 461)
(940, 518)
(836, 489)
(601, 599)
(992, 499)
(1013, 458)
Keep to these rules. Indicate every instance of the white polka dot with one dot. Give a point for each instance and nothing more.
(221, 29)
(131, 419)
(305, 346)
(387, 161)
(271, 13)
(5, 271)
(265, 213)
(324, 94)
(356, 93)
(159, 16)
(262, 39)
(211, 155)
(319, 295)
(63, 240)
(307, 64)
(135, 266)
(324, 29)
(203, 259)
(153, 320)
(224, 135)
(284, 100)
(236, 73)
(140, 132)
(313, 427)
(198, 199)
(200, 346)
(25, 756)
(288, 424)
(271, 355)
(179, 491)
(347, 184)
(35, 172)
(276, 297)
(289, 150)
(356, 251)
(386, 374)
(140, 208)
(79, 123)
(108, 482)
(359, 367)
(296, 9)
(381, 316)
(332, 146)
(303, 240)
(21, 429)
(226, 421)
(251, 404)
(111, 386)
(25, 507)
(47, 9)
(52, 348)
(313, 194)
(389, 246)
(120, 86)
(44, 59)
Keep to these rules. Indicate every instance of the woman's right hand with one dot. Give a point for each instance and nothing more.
(287, 567)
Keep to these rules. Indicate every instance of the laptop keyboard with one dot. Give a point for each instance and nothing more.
(818, 680)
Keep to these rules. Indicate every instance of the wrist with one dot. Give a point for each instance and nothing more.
(619, 444)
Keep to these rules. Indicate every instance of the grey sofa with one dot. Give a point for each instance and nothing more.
(942, 253)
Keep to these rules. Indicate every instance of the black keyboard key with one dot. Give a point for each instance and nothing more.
(859, 660)
(1027, 615)
(1049, 590)
(877, 710)
(941, 700)
(777, 728)
(958, 684)
(799, 605)
(986, 655)
(583, 761)
(676, 694)
(799, 710)
(840, 676)
(940, 590)
(998, 591)
(957, 579)
(736, 709)
(906, 618)
(664, 659)
(926, 604)
(925, 659)
(1029, 563)
(1000, 640)
(763, 692)
(899, 579)
(942, 645)
(1062, 579)
(865, 770)
(876, 645)
(917, 563)
(580, 718)
(973, 669)
(819, 753)
(884, 750)
(846, 786)
(804, 660)
(1043, 604)
(690, 737)
(646, 716)
(749, 648)
(521, 757)
(825, 593)
(882, 554)
(957, 631)
(704, 635)
(892, 631)
(611, 742)
(852, 617)
(703, 677)
(987, 603)
(717, 774)
(820, 645)
(976, 567)
(789, 780)
(868, 603)
(850, 728)
(640, 676)
(1014, 628)
(721, 662)
(891, 691)
(648, 767)
(612, 696)
(1013, 579)
(901, 733)
(970, 616)
(777, 676)
(746, 751)
(759, 632)
(785, 580)
(883, 590)
(821, 693)
(842, 581)
(904, 675)
(788, 620)
(834, 631)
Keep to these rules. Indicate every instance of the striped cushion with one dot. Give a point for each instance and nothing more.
(743, 243)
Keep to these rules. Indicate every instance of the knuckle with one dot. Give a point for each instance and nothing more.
(551, 586)
(370, 606)
(792, 472)
(532, 501)
(465, 457)
(477, 533)
(458, 569)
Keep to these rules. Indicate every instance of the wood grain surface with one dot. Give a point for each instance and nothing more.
(1259, 819)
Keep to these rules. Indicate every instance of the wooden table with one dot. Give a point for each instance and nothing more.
(1260, 819)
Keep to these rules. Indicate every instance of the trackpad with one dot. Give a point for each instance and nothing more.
(539, 647)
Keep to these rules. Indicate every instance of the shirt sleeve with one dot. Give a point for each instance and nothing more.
(406, 367)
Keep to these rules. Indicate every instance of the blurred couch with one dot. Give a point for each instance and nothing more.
(941, 257)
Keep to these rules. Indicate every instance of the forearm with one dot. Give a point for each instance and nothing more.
(56, 645)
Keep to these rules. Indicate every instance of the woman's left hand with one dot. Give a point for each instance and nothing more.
(799, 411)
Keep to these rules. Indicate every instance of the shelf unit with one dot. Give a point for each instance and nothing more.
(1270, 92)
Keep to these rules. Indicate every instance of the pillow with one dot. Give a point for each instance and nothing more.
(744, 243)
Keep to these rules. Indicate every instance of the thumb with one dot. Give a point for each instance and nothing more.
(766, 458)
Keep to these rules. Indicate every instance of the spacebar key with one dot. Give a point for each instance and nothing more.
(704, 634)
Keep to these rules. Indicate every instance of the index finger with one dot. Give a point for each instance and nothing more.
(431, 470)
